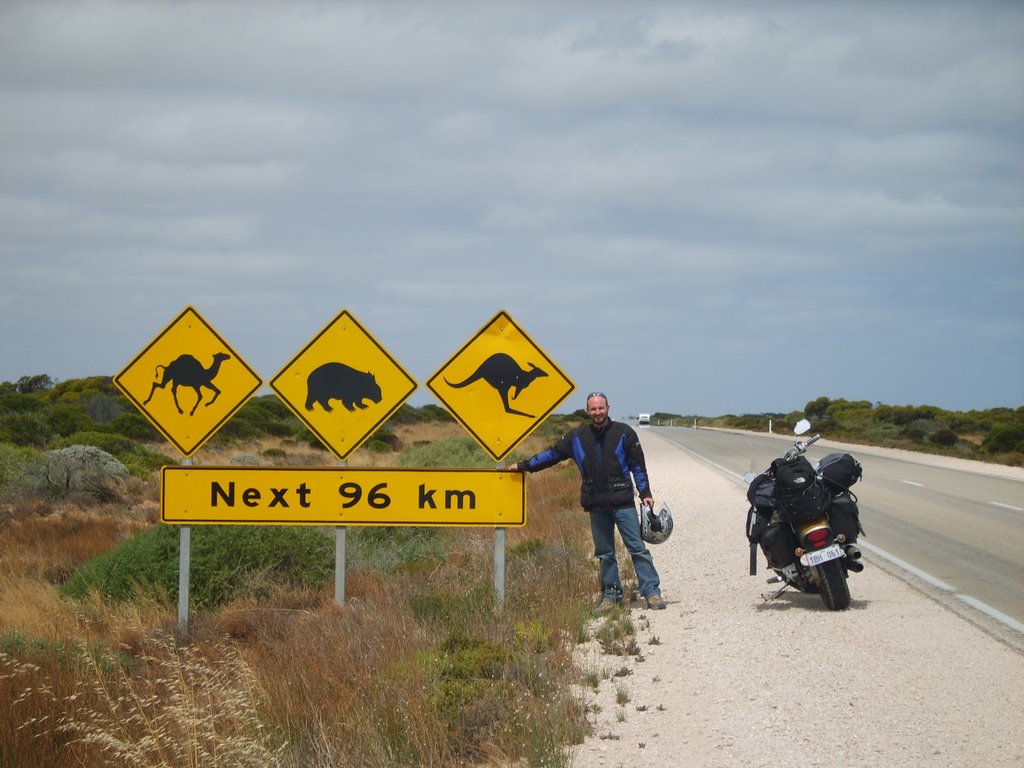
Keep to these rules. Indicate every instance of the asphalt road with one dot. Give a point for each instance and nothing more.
(959, 529)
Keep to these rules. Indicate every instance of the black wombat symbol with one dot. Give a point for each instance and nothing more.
(503, 373)
(337, 381)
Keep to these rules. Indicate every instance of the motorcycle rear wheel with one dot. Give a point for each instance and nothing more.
(835, 592)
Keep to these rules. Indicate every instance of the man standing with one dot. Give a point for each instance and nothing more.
(610, 460)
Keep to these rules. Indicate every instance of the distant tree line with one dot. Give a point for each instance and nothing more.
(995, 434)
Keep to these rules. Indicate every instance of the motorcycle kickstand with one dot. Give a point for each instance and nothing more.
(765, 596)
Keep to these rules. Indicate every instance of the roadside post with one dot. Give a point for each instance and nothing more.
(173, 360)
(343, 362)
(500, 385)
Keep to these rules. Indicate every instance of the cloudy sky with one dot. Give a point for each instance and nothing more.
(701, 208)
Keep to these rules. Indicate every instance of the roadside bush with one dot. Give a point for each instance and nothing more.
(142, 462)
(385, 549)
(83, 468)
(30, 429)
(915, 434)
(227, 562)
(454, 452)
(16, 475)
(1005, 438)
(67, 419)
(944, 437)
(134, 425)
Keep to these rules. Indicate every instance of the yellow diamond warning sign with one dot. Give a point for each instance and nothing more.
(343, 385)
(500, 385)
(188, 381)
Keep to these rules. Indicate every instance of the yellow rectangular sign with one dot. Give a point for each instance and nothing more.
(342, 496)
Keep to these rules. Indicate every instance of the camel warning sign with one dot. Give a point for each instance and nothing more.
(343, 385)
(500, 385)
(188, 381)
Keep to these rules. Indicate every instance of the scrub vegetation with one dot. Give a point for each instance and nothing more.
(421, 666)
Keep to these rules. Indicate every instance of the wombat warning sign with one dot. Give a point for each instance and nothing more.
(343, 385)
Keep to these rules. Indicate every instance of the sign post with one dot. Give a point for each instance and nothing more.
(343, 365)
(500, 386)
(211, 394)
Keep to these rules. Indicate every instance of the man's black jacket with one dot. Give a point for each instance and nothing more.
(606, 458)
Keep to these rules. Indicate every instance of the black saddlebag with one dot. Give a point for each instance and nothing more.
(844, 517)
(779, 545)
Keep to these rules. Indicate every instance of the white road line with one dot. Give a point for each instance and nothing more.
(992, 612)
(911, 482)
(923, 575)
(974, 602)
(1006, 506)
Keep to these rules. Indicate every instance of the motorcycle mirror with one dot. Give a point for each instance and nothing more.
(801, 426)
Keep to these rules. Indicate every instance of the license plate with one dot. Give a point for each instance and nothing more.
(819, 556)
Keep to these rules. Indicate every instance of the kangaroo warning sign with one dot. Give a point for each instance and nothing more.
(500, 385)
(343, 385)
(188, 381)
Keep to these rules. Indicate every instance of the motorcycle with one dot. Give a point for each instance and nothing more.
(806, 521)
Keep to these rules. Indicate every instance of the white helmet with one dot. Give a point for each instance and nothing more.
(655, 528)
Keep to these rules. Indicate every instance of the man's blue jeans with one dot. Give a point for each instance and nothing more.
(602, 527)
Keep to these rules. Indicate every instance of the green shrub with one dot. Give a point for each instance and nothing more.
(1005, 438)
(944, 437)
(83, 468)
(29, 429)
(16, 470)
(386, 548)
(227, 561)
(142, 462)
(134, 425)
(68, 419)
(460, 452)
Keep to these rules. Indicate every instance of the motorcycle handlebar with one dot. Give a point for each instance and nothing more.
(801, 447)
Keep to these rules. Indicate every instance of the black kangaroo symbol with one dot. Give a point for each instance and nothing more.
(186, 371)
(504, 374)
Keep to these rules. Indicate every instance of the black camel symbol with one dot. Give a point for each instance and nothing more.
(186, 371)
(504, 374)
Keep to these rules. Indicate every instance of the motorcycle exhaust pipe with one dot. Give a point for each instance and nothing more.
(853, 562)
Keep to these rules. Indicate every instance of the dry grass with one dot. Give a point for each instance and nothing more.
(417, 668)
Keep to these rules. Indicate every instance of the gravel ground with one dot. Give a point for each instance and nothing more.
(724, 679)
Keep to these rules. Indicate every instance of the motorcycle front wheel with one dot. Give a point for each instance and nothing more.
(835, 592)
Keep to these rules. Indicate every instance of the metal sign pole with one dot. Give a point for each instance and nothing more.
(184, 568)
(339, 564)
(499, 557)
(499, 565)
(340, 540)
